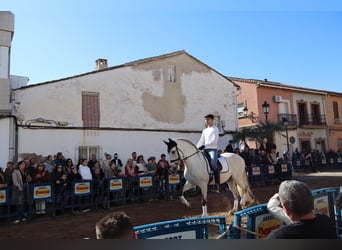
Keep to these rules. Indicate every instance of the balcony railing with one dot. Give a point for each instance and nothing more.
(310, 119)
(290, 118)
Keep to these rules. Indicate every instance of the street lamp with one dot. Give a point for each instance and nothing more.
(266, 109)
(252, 116)
(286, 123)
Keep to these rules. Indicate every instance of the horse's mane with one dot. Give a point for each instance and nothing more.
(186, 140)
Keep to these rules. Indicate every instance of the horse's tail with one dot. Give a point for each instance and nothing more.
(246, 189)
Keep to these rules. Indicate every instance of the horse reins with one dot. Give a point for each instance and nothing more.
(186, 157)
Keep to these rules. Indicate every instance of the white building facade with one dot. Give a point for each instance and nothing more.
(126, 108)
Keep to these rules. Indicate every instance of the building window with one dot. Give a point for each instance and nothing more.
(85, 152)
(302, 113)
(171, 73)
(339, 143)
(336, 113)
(90, 110)
(315, 114)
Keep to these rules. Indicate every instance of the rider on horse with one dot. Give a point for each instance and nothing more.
(208, 142)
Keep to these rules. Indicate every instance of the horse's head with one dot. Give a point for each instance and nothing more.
(171, 144)
(172, 150)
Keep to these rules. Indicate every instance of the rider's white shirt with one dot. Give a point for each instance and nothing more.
(209, 137)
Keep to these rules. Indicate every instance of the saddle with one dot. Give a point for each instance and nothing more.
(219, 166)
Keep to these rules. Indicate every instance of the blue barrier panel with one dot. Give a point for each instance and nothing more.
(114, 191)
(339, 162)
(324, 201)
(191, 228)
(259, 221)
(339, 218)
(256, 175)
(145, 183)
(81, 195)
(285, 170)
(271, 172)
(41, 199)
(4, 203)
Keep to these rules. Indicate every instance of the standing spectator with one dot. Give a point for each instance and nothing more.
(130, 170)
(84, 170)
(141, 166)
(131, 173)
(163, 159)
(73, 177)
(151, 165)
(160, 178)
(106, 162)
(29, 167)
(134, 158)
(19, 178)
(60, 182)
(68, 165)
(116, 225)
(92, 161)
(8, 172)
(49, 164)
(111, 172)
(229, 147)
(297, 202)
(41, 176)
(272, 156)
(117, 161)
(86, 174)
(98, 185)
(260, 157)
(59, 159)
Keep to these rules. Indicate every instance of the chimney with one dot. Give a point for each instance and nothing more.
(101, 64)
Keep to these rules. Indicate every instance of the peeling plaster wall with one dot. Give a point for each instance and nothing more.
(138, 96)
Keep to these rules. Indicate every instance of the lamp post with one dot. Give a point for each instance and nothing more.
(266, 109)
(286, 123)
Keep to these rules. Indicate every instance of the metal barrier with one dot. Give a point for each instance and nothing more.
(260, 222)
(268, 174)
(191, 228)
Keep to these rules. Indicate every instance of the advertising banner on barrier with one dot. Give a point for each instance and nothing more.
(271, 169)
(145, 181)
(256, 171)
(265, 223)
(3, 196)
(42, 192)
(284, 168)
(115, 185)
(81, 188)
(174, 179)
(321, 204)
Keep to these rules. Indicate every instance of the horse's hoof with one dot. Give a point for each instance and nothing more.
(231, 212)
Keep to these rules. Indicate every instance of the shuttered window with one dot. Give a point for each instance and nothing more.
(90, 109)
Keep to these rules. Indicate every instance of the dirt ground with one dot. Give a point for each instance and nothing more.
(80, 226)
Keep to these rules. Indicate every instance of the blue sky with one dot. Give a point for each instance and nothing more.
(292, 42)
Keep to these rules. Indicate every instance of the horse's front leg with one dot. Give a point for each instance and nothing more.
(187, 186)
(204, 191)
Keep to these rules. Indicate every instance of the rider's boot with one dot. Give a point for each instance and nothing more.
(217, 181)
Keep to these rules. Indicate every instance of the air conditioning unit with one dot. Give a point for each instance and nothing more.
(277, 98)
